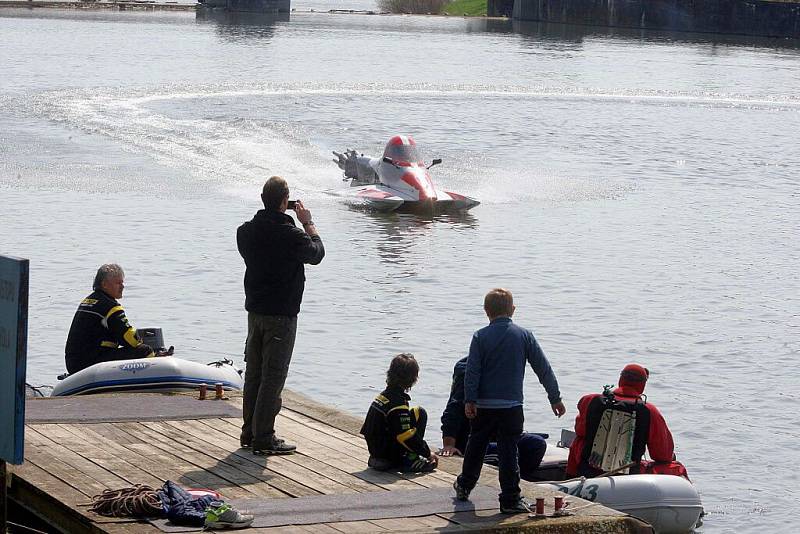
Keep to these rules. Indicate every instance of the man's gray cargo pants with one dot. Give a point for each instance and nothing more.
(270, 341)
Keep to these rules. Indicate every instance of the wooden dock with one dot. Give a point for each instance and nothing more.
(68, 462)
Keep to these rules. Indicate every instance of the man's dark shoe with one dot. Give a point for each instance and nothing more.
(462, 493)
(277, 446)
(518, 507)
(245, 443)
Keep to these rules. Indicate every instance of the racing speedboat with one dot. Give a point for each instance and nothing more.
(397, 181)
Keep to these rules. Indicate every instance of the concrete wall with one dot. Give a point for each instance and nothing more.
(742, 17)
(499, 8)
(252, 6)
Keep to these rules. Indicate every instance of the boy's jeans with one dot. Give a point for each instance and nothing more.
(506, 425)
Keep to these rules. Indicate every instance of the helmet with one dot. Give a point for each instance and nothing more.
(402, 150)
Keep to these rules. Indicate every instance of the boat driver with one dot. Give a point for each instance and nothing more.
(100, 331)
(400, 150)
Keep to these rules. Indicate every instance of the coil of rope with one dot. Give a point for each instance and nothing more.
(137, 501)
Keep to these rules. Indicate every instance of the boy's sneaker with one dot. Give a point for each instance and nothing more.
(462, 493)
(223, 516)
(414, 463)
(517, 507)
(277, 446)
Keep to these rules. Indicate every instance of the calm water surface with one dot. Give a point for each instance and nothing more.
(639, 196)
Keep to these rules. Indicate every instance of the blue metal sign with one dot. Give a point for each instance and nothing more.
(13, 352)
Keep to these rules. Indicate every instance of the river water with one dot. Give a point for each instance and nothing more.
(639, 196)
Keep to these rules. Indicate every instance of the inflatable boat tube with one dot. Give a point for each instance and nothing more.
(669, 503)
(149, 374)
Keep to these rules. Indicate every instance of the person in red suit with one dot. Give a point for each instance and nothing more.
(650, 428)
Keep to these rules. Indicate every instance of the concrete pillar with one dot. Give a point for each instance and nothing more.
(499, 8)
(259, 6)
(526, 10)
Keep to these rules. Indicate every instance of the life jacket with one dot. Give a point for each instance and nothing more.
(616, 434)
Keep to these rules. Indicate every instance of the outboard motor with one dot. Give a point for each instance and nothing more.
(153, 337)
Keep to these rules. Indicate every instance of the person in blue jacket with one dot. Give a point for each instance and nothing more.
(493, 397)
(455, 431)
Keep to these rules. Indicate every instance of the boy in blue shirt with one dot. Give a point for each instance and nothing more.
(456, 427)
(493, 397)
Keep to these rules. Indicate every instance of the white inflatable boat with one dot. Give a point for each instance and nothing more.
(150, 374)
(669, 503)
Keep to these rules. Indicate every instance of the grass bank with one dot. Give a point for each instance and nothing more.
(466, 7)
(454, 7)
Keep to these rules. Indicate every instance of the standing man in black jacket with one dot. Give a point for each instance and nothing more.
(274, 251)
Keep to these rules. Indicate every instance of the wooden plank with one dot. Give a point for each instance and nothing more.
(276, 464)
(249, 473)
(477, 517)
(435, 522)
(288, 529)
(136, 527)
(119, 436)
(352, 439)
(323, 413)
(189, 472)
(104, 456)
(42, 450)
(357, 527)
(400, 524)
(243, 461)
(37, 455)
(203, 460)
(351, 466)
(52, 500)
(356, 448)
(331, 451)
(287, 464)
(154, 462)
(320, 528)
(341, 452)
(312, 460)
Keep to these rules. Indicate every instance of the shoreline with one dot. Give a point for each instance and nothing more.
(124, 5)
(161, 5)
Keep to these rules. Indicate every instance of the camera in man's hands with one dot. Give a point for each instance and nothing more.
(291, 205)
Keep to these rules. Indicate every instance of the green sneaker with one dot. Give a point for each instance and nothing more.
(220, 515)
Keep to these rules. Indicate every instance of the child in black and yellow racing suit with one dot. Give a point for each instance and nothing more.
(394, 431)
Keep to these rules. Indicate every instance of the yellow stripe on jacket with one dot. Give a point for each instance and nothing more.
(114, 310)
(405, 436)
(130, 336)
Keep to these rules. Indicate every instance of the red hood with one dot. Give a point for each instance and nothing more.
(632, 380)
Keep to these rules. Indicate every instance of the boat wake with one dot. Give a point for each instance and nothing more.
(207, 138)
